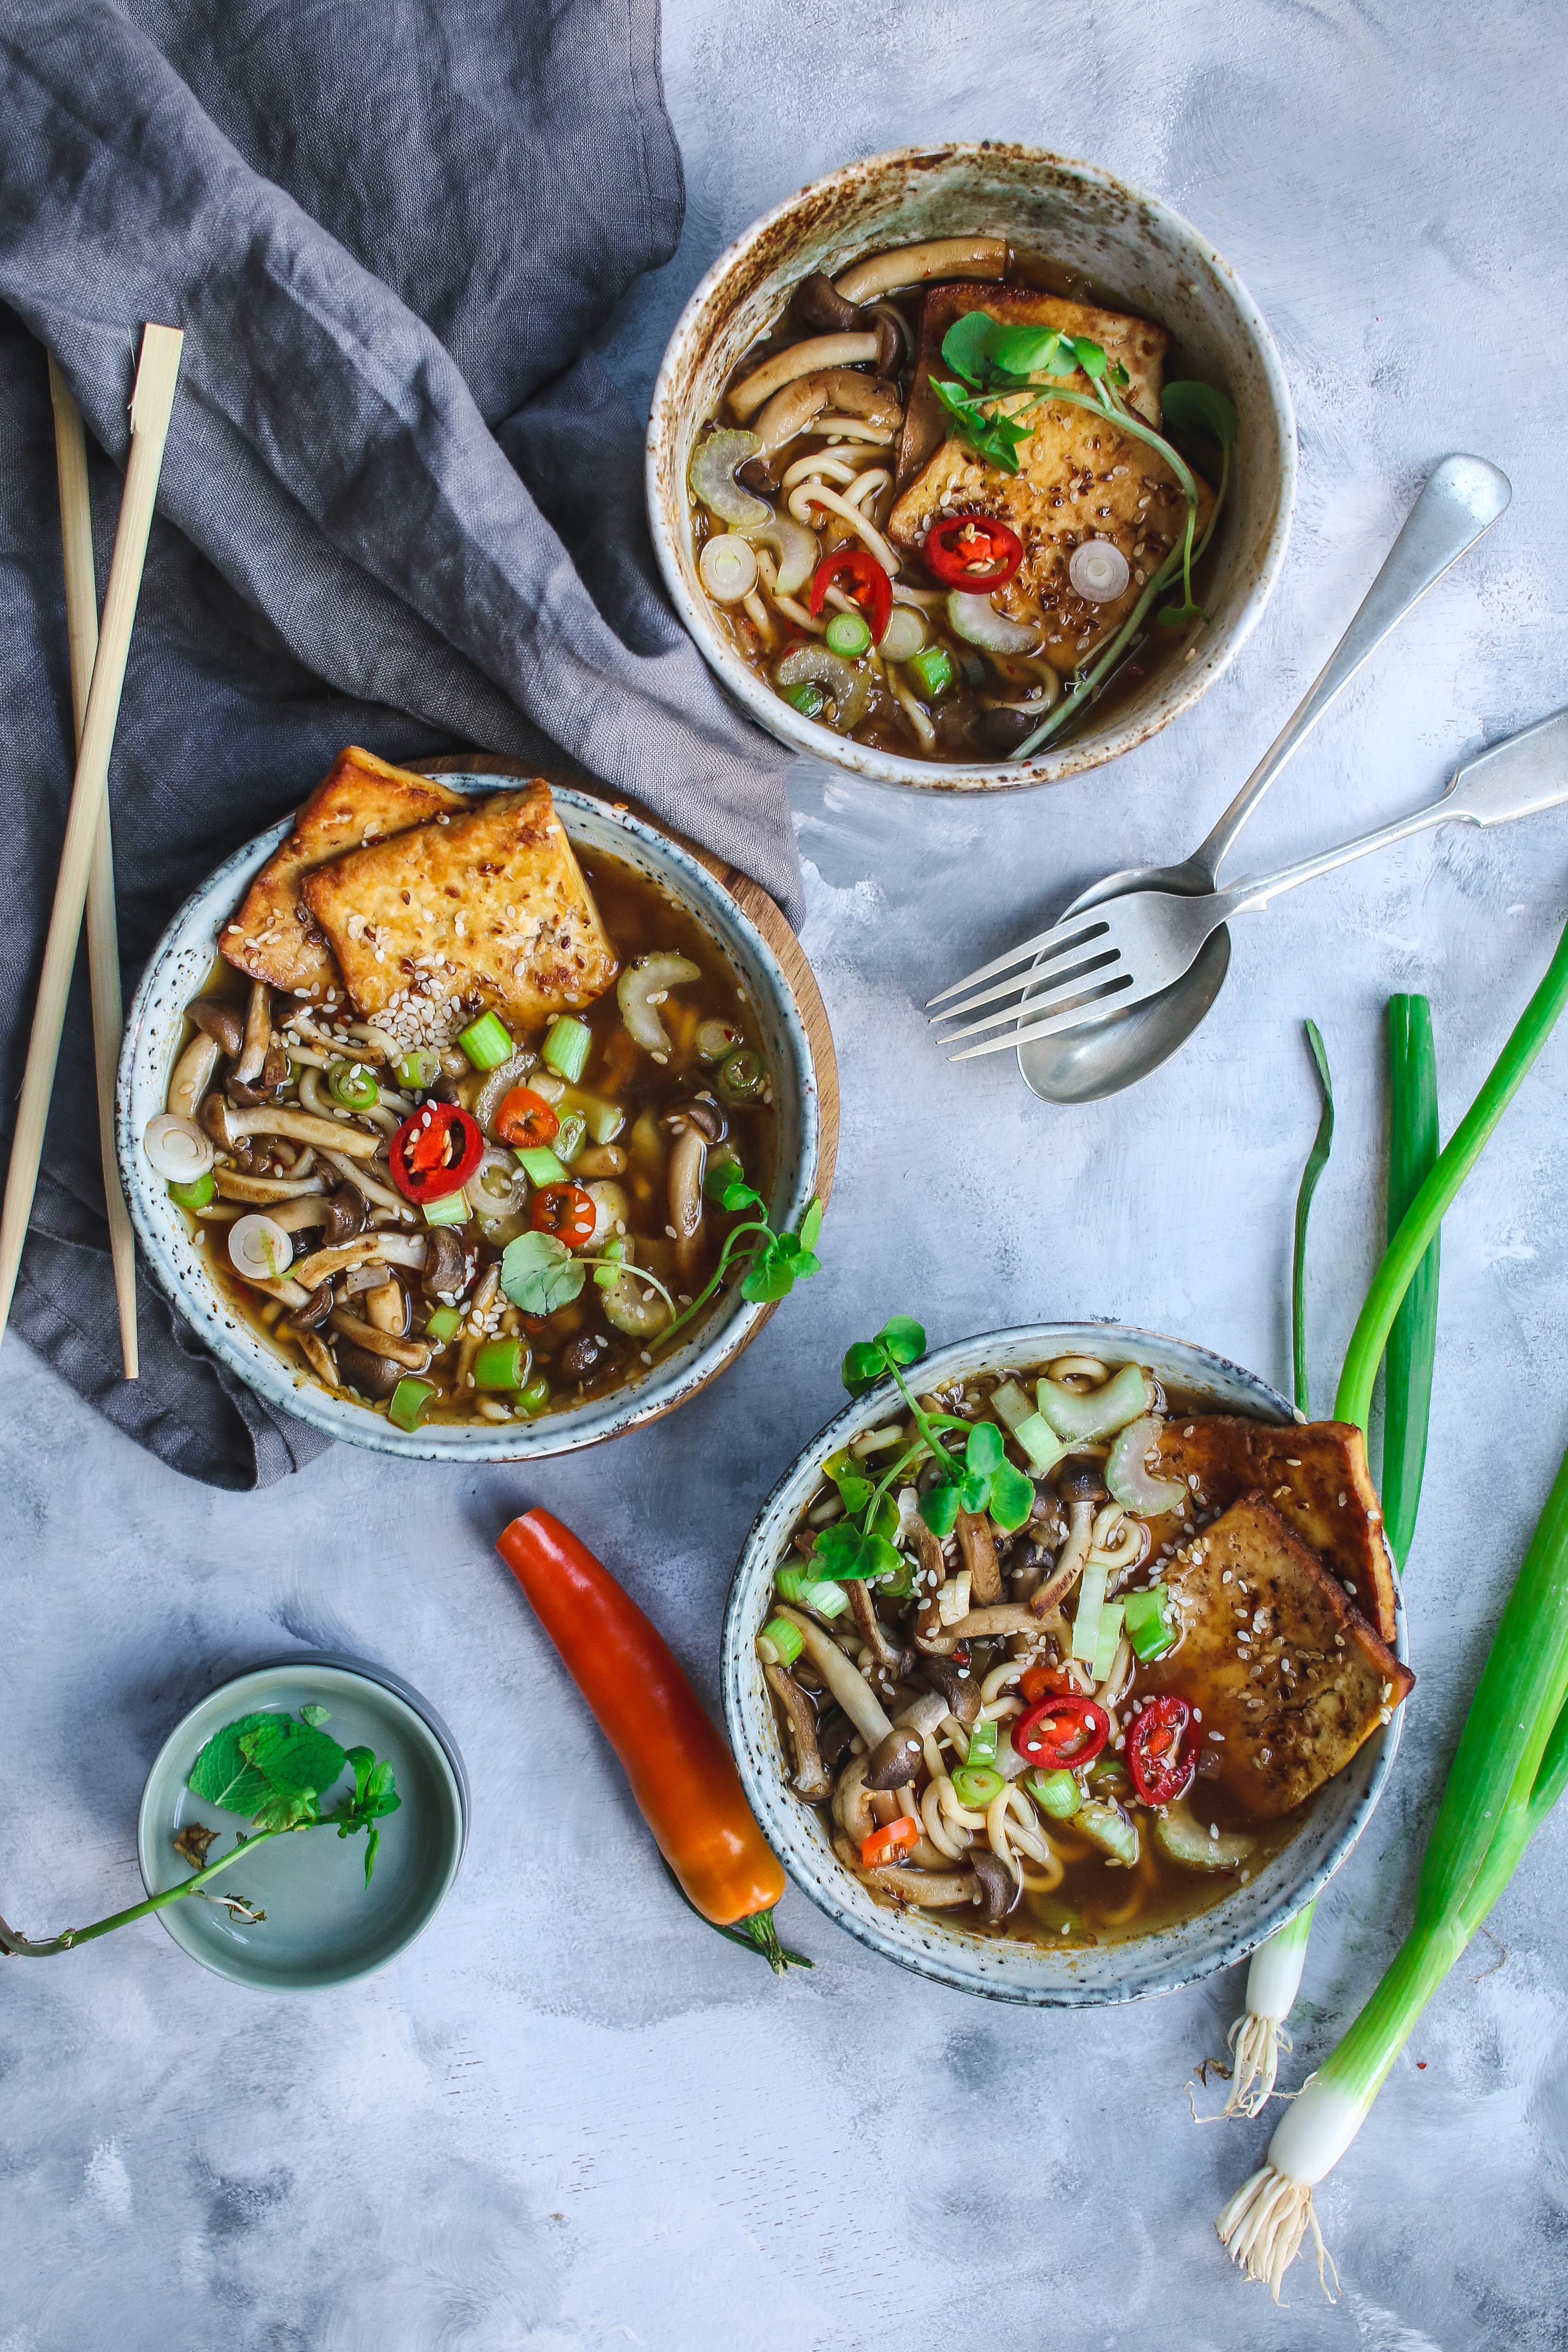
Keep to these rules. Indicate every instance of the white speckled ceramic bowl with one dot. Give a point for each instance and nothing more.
(1135, 249)
(177, 972)
(1032, 1973)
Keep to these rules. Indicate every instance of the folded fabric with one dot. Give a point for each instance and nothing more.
(402, 503)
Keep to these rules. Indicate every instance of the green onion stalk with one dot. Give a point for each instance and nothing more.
(1509, 1772)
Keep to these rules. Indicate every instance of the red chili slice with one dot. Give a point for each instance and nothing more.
(525, 1120)
(973, 553)
(863, 581)
(1062, 1731)
(1043, 1682)
(1161, 1756)
(567, 1211)
(434, 1153)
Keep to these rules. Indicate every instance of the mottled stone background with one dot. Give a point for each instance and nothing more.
(569, 2118)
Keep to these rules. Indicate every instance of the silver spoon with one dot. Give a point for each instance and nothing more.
(1463, 498)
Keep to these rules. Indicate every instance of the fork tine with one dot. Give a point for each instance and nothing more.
(1029, 979)
(1061, 986)
(1075, 931)
(1071, 1017)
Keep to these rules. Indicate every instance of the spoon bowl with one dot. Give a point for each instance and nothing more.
(1099, 1057)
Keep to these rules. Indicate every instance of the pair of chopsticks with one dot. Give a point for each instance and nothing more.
(86, 867)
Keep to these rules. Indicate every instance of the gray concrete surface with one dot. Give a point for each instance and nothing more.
(570, 2120)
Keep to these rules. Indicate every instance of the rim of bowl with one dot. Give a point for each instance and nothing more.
(782, 1815)
(741, 683)
(443, 1747)
(231, 1340)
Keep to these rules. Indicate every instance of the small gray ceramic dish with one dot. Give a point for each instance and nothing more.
(178, 971)
(1030, 1973)
(323, 1927)
(1131, 246)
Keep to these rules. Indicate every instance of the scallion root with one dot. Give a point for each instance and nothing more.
(1263, 2227)
(1255, 2043)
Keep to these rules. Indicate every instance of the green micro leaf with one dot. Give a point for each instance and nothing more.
(854, 1491)
(968, 346)
(1024, 351)
(939, 1507)
(811, 1226)
(771, 1278)
(1180, 616)
(1197, 407)
(223, 1775)
(974, 1491)
(295, 1757)
(1012, 1497)
(1091, 357)
(538, 1274)
(837, 1551)
(997, 439)
(362, 1761)
(984, 1451)
(904, 1338)
(865, 1364)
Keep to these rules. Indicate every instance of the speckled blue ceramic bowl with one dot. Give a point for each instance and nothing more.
(1159, 1962)
(179, 968)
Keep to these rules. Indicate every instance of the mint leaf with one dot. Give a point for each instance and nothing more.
(223, 1775)
(285, 1810)
(1199, 408)
(362, 1760)
(315, 1714)
(538, 1274)
(295, 1757)
(1012, 1497)
(985, 1451)
(904, 1338)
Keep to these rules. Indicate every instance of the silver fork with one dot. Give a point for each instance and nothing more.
(1117, 953)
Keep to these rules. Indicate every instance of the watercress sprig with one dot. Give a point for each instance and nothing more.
(978, 1479)
(540, 1273)
(274, 1771)
(1001, 369)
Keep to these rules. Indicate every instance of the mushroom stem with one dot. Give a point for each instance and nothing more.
(413, 1355)
(257, 1036)
(979, 1547)
(864, 1709)
(192, 1076)
(299, 1127)
(811, 1780)
(870, 1627)
(233, 1186)
(687, 1163)
(790, 412)
(912, 264)
(369, 1249)
(833, 350)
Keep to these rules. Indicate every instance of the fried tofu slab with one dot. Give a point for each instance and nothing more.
(1294, 1678)
(488, 910)
(274, 937)
(1316, 1477)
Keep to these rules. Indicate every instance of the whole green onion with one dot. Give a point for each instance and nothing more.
(1426, 1212)
(1413, 1341)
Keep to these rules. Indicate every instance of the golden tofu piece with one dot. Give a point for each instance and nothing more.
(1293, 1678)
(1137, 344)
(1080, 477)
(273, 936)
(1316, 1477)
(485, 911)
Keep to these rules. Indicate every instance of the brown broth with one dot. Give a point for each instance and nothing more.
(980, 683)
(638, 918)
(1097, 1900)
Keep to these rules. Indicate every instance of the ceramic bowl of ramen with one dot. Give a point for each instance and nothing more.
(945, 597)
(1119, 1725)
(434, 1228)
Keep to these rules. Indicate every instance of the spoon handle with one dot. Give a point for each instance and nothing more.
(1520, 777)
(1463, 498)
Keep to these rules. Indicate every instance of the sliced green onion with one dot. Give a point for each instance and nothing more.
(715, 1039)
(1147, 1626)
(501, 1364)
(1426, 1212)
(904, 636)
(978, 1785)
(534, 1394)
(847, 636)
(798, 1586)
(1107, 1639)
(409, 1400)
(1091, 1604)
(571, 1136)
(1057, 1793)
(1413, 1341)
(566, 1048)
(805, 697)
(1039, 1442)
(604, 1119)
(780, 1643)
(487, 1042)
(452, 1209)
(741, 1077)
(445, 1324)
(418, 1069)
(196, 1193)
(350, 1084)
(1317, 1160)
(982, 1744)
(933, 667)
(541, 1166)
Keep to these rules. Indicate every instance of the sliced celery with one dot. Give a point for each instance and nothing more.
(1056, 1792)
(541, 1165)
(566, 1048)
(487, 1042)
(1106, 1640)
(452, 1209)
(1079, 1413)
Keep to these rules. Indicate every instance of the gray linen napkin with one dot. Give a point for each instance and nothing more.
(401, 502)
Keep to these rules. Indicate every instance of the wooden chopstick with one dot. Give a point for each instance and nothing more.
(149, 406)
(102, 934)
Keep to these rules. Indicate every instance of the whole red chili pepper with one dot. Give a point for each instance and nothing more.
(681, 1774)
(1064, 1731)
(1161, 1758)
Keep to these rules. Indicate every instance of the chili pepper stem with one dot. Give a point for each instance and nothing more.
(758, 1934)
